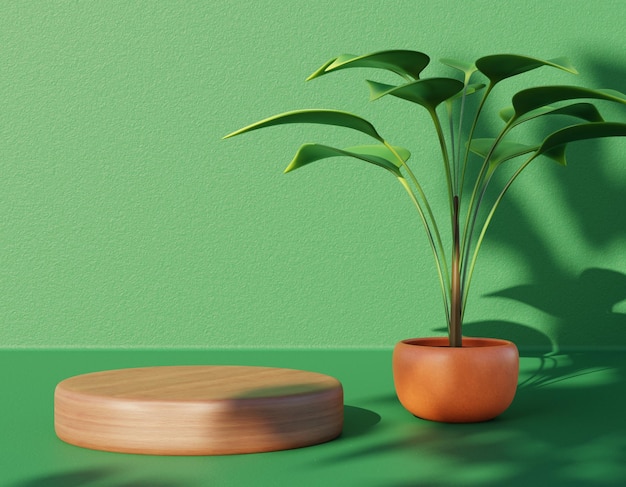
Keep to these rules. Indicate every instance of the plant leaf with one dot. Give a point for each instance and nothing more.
(469, 90)
(504, 151)
(555, 144)
(403, 62)
(322, 69)
(324, 117)
(498, 67)
(507, 113)
(465, 67)
(533, 98)
(584, 111)
(428, 92)
(378, 155)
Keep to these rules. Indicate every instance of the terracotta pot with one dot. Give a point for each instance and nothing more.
(476, 382)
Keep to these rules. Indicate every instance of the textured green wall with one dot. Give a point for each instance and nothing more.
(127, 222)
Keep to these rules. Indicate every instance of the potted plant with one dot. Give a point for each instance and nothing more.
(457, 379)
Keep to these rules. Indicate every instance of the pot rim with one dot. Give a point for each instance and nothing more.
(468, 342)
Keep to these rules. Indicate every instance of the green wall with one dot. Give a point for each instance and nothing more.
(127, 222)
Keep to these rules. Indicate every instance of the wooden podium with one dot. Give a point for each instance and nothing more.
(198, 410)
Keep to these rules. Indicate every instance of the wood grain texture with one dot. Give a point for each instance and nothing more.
(198, 410)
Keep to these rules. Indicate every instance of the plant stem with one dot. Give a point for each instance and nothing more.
(459, 180)
(435, 227)
(438, 259)
(473, 209)
(470, 136)
(456, 302)
(488, 221)
(431, 223)
(455, 174)
(446, 159)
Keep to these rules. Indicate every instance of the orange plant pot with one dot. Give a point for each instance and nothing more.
(468, 384)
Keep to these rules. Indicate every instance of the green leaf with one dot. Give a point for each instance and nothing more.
(324, 117)
(378, 155)
(534, 98)
(504, 151)
(470, 90)
(584, 111)
(403, 62)
(555, 144)
(322, 69)
(507, 113)
(465, 67)
(501, 66)
(428, 92)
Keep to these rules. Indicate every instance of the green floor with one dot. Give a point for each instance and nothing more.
(567, 426)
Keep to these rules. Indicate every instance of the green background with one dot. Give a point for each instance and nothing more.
(127, 222)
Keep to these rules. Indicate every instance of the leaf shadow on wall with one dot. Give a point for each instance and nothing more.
(584, 308)
(581, 304)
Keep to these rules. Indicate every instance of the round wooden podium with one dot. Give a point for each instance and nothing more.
(198, 410)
